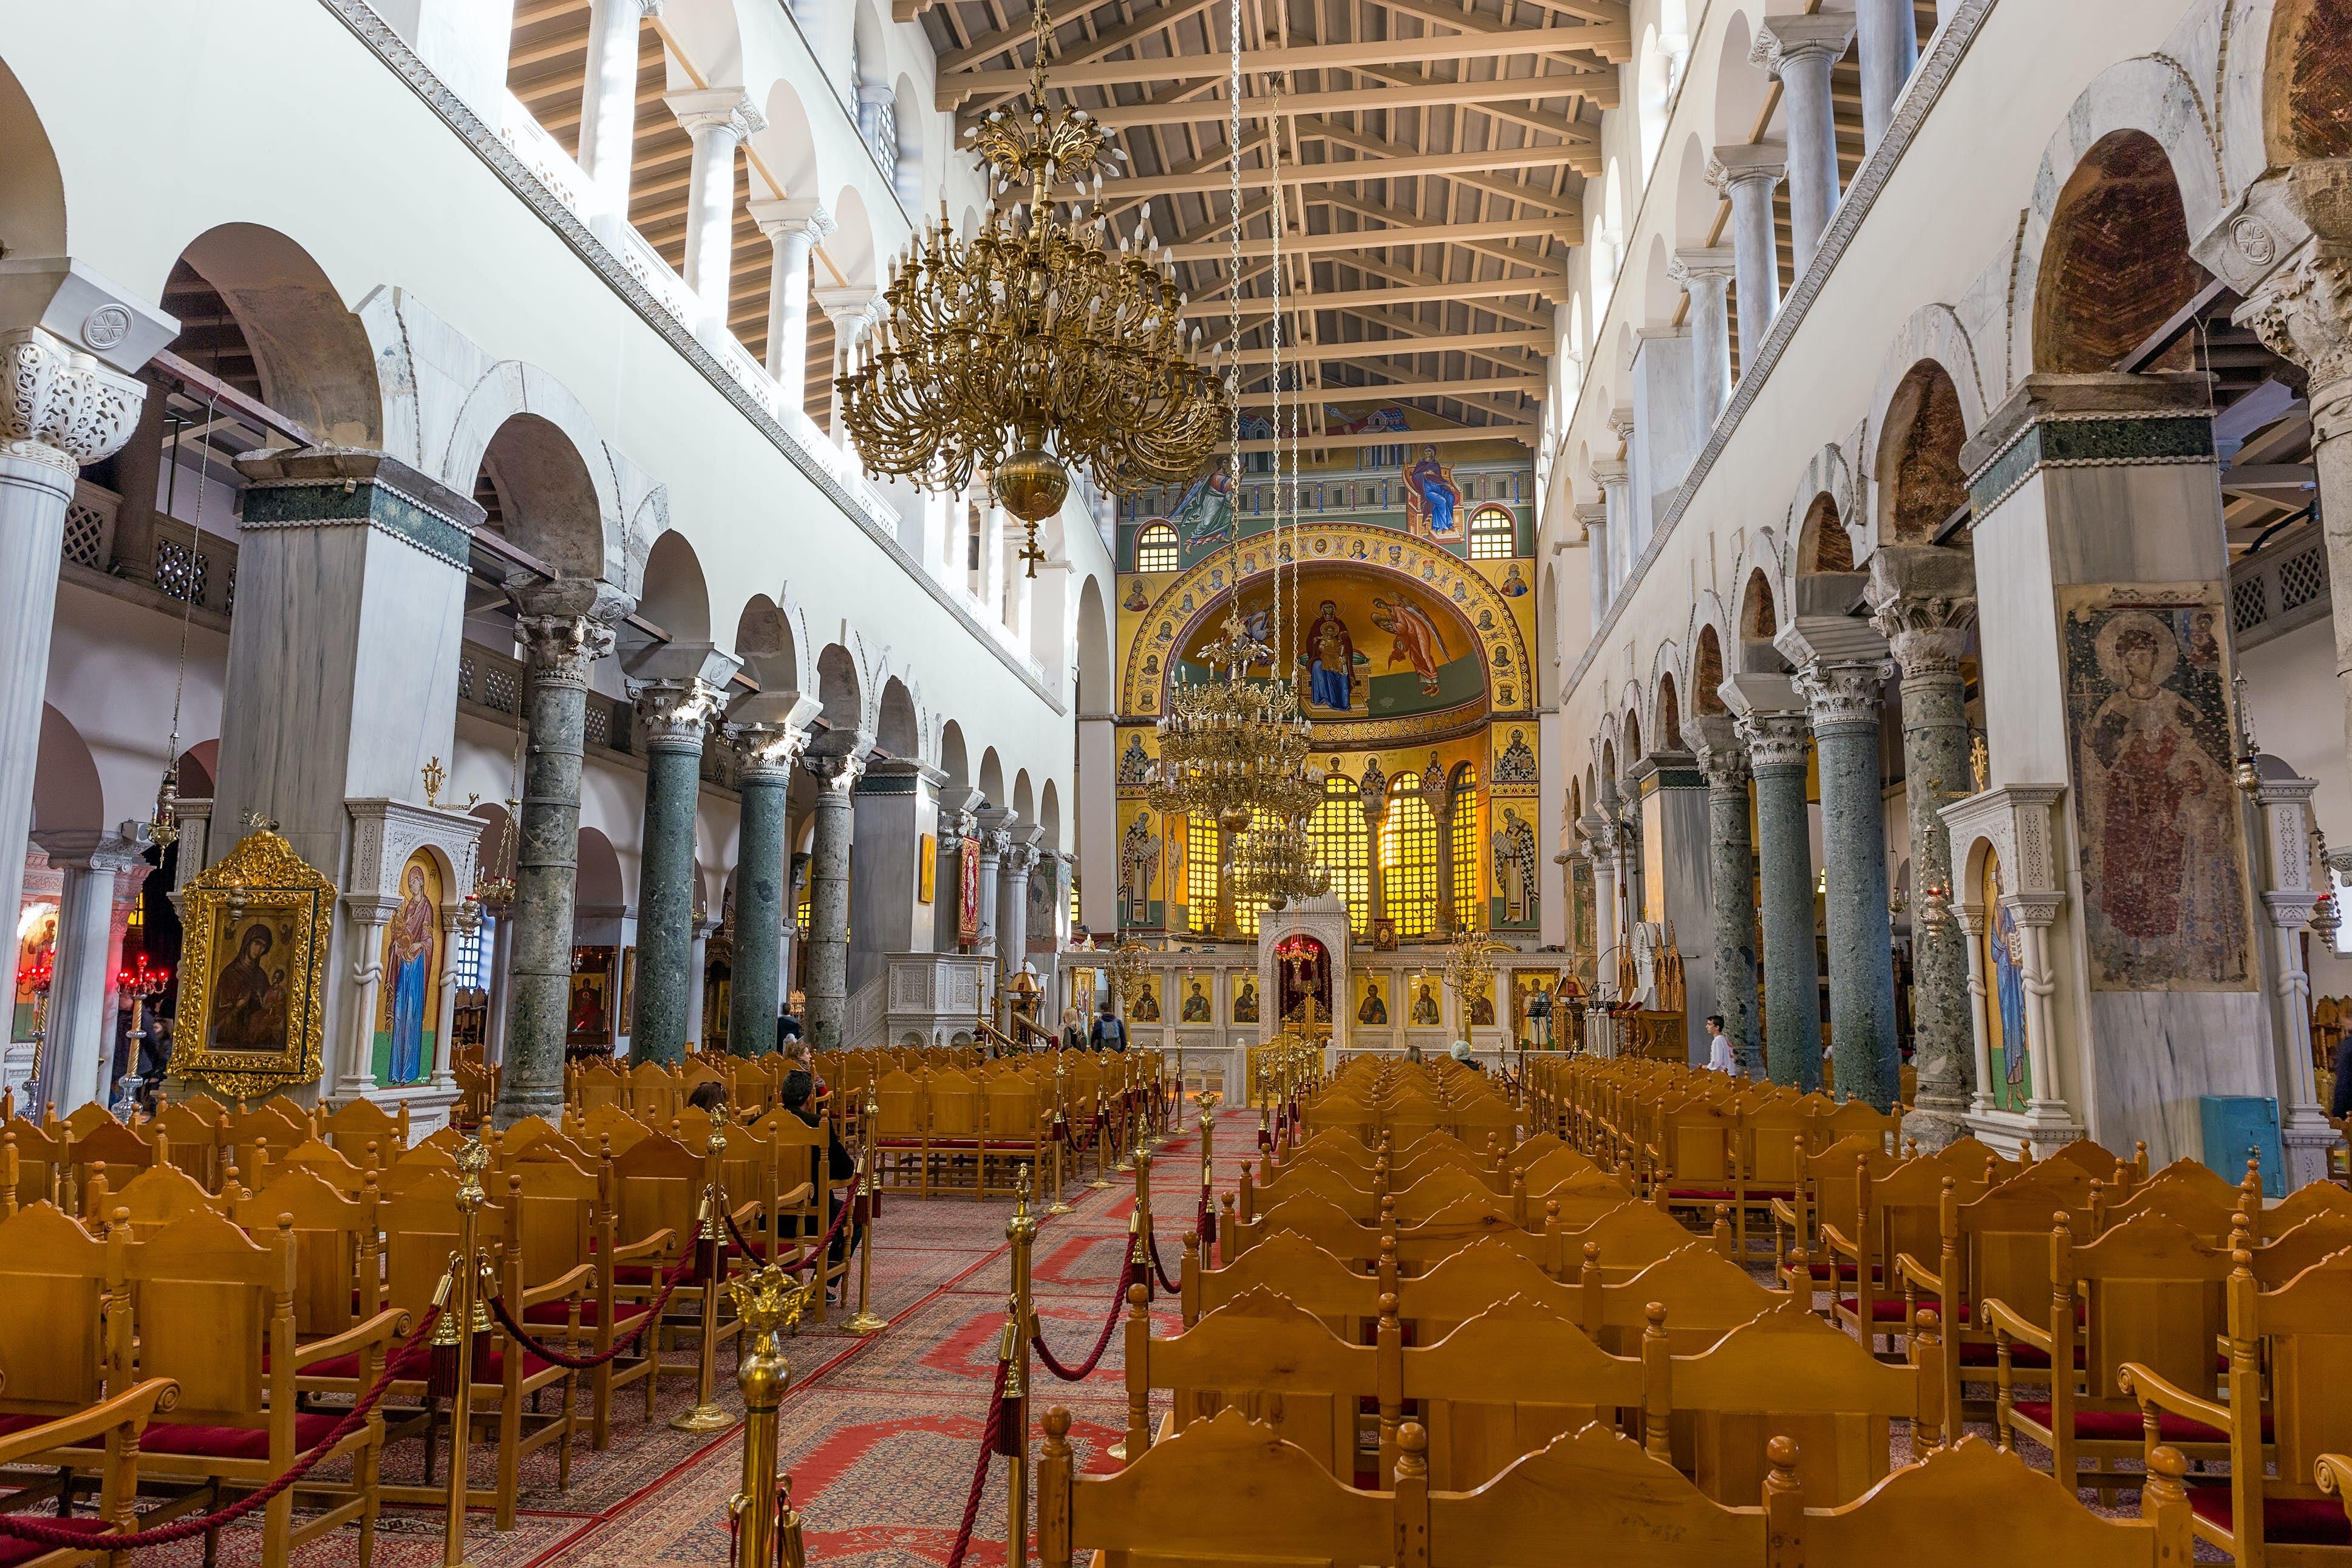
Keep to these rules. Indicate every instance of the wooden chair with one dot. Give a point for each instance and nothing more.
(54, 1357)
(1291, 1266)
(658, 1189)
(2302, 1333)
(214, 1311)
(1593, 1484)
(1791, 1374)
(1505, 1384)
(114, 1426)
(357, 1123)
(1969, 1505)
(1706, 1295)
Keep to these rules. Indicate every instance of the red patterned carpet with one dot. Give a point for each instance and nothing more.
(879, 1434)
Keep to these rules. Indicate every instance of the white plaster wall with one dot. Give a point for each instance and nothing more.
(2291, 683)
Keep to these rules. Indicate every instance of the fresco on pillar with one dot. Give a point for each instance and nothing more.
(1044, 886)
(2001, 959)
(1141, 852)
(2157, 817)
(408, 996)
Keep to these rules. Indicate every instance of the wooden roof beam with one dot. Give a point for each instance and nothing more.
(1526, 435)
(1378, 239)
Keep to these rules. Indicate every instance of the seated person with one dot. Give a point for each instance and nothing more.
(1462, 1054)
(802, 1099)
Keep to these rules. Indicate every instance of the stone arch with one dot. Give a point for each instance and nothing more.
(772, 640)
(1049, 816)
(840, 688)
(991, 783)
(1823, 542)
(1919, 482)
(1707, 674)
(312, 356)
(1933, 337)
(787, 148)
(1025, 797)
(67, 794)
(1095, 690)
(32, 189)
(1695, 202)
(197, 769)
(1669, 725)
(1632, 732)
(2307, 82)
(1741, 86)
(897, 727)
(2150, 96)
(907, 118)
(558, 487)
(851, 249)
(2114, 262)
(599, 886)
(953, 760)
(677, 596)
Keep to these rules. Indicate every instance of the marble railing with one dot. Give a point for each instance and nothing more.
(2278, 588)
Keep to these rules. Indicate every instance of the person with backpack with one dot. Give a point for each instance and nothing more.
(1110, 1033)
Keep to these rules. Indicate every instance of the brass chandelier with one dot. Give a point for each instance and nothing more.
(1035, 344)
(1229, 745)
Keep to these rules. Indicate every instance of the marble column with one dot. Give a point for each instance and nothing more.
(697, 977)
(500, 989)
(455, 922)
(76, 1061)
(837, 772)
(1593, 517)
(1616, 503)
(767, 749)
(718, 119)
(1013, 902)
(850, 309)
(559, 649)
(1375, 799)
(1705, 275)
(63, 409)
(608, 109)
(794, 226)
(897, 806)
(1887, 39)
(673, 718)
(2304, 312)
(1747, 174)
(2289, 897)
(1600, 837)
(369, 914)
(957, 804)
(995, 836)
(1844, 699)
(1792, 972)
(1731, 881)
(1924, 603)
(1799, 51)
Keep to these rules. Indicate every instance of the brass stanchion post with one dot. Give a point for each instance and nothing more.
(710, 1261)
(1138, 1273)
(467, 1311)
(867, 1320)
(1102, 1145)
(768, 1303)
(1021, 1230)
(1061, 1135)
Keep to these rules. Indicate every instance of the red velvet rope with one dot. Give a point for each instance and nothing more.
(591, 1361)
(19, 1528)
(1093, 1359)
(822, 1243)
(988, 1433)
(1160, 1269)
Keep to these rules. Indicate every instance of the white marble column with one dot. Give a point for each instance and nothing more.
(63, 408)
(1972, 919)
(2288, 897)
(992, 557)
(494, 1042)
(697, 980)
(1593, 517)
(794, 226)
(995, 837)
(354, 1076)
(457, 921)
(1799, 51)
(1747, 175)
(1598, 837)
(850, 309)
(608, 109)
(75, 1060)
(719, 119)
(1616, 500)
(1705, 275)
(1888, 39)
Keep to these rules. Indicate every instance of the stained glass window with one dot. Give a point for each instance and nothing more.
(1408, 859)
(1155, 548)
(1201, 872)
(1336, 831)
(1462, 834)
(1492, 535)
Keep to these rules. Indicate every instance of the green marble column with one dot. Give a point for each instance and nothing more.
(1792, 972)
(828, 934)
(765, 755)
(1731, 876)
(1844, 699)
(557, 651)
(673, 717)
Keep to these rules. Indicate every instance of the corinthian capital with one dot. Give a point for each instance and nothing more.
(62, 407)
(673, 715)
(1785, 38)
(558, 649)
(1842, 694)
(837, 773)
(766, 751)
(1020, 859)
(722, 108)
(1722, 755)
(2304, 312)
(1774, 739)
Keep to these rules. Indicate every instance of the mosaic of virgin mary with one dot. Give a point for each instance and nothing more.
(1433, 501)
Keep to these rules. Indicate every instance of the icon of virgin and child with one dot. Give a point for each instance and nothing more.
(1331, 655)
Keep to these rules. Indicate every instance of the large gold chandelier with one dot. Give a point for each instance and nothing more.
(1231, 746)
(1035, 344)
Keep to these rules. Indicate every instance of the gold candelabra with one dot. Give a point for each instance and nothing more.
(1040, 342)
(1231, 747)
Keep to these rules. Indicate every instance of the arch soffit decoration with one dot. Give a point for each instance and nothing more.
(632, 509)
(1450, 569)
(1934, 335)
(1826, 474)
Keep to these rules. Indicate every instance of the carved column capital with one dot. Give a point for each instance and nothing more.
(1927, 632)
(2304, 312)
(674, 715)
(1786, 40)
(1842, 694)
(837, 773)
(60, 406)
(558, 649)
(786, 217)
(1019, 859)
(766, 751)
(1774, 739)
(1712, 263)
(1767, 161)
(727, 109)
(994, 842)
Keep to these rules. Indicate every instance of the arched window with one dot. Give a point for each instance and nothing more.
(1492, 535)
(1155, 548)
(1336, 831)
(1409, 857)
(1461, 843)
(1201, 859)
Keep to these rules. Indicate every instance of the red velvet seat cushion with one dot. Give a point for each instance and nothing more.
(634, 1274)
(494, 1366)
(1889, 1309)
(1701, 1195)
(15, 1551)
(624, 1314)
(351, 1366)
(13, 1424)
(2125, 1426)
(233, 1442)
(2287, 1521)
(1981, 1352)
